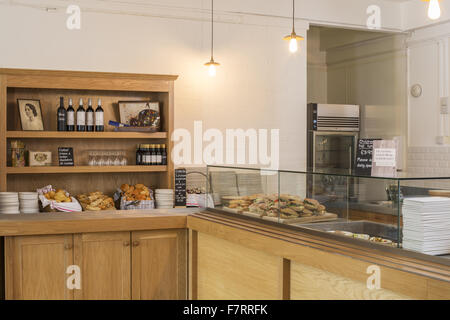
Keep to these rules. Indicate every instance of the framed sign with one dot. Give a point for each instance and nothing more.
(363, 165)
(180, 188)
(65, 156)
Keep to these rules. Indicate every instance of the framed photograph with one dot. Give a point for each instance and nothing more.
(30, 114)
(139, 113)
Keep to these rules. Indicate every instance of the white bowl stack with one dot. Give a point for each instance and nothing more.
(9, 203)
(29, 202)
(164, 198)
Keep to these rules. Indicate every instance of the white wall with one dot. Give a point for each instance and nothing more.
(317, 69)
(425, 68)
(416, 14)
(259, 85)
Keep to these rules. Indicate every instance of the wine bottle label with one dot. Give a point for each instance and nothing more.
(81, 118)
(90, 118)
(70, 118)
(158, 159)
(99, 118)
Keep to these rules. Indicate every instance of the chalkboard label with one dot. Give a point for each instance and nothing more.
(65, 156)
(363, 164)
(180, 187)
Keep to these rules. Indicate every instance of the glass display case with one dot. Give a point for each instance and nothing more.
(405, 211)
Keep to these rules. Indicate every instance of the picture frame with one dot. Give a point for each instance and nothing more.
(30, 114)
(131, 112)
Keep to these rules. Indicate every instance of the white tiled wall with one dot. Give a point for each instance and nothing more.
(430, 161)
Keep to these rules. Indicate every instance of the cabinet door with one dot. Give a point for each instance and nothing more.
(104, 261)
(159, 265)
(36, 267)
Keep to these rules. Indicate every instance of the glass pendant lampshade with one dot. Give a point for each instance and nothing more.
(293, 38)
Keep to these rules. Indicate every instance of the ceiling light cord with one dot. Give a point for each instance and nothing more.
(293, 16)
(212, 29)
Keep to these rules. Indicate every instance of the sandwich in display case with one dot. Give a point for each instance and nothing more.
(406, 212)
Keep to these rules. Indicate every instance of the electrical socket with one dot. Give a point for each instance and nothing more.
(440, 140)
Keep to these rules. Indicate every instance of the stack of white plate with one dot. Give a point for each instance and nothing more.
(426, 225)
(29, 202)
(9, 203)
(164, 198)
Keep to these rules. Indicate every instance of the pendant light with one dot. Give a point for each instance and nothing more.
(434, 10)
(293, 37)
(211, 64)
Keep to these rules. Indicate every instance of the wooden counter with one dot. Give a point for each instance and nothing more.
(61, 223)
(234, 258)
(118, 254)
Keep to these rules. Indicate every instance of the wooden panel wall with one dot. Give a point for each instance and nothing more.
(230, 271)
(309, 283)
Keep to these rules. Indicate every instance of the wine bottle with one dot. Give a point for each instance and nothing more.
(99, 117)
(158, 155)
(61, 115)
(81, 117)
(163, 155)
(152, 155)
(70, 117)
(90, 117)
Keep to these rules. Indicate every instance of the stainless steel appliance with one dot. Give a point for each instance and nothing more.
(333, 132)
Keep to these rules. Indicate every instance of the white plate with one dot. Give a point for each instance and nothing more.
(168, 191)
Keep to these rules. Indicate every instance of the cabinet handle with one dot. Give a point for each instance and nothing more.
(126, 243)
(68, 246)
(135, 243)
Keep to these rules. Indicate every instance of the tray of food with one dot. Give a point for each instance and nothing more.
(366, 237)
(286, 209)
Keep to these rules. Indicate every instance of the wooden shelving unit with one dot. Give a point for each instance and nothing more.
(84, 135)
(48, 86)
(85, 169)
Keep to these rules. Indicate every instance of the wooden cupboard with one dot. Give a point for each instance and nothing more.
(105, 262)
(113, 265)
(159, 263)
(36, 267)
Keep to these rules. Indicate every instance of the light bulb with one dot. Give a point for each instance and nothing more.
(293, 47)
(434, 11)
(212, 70)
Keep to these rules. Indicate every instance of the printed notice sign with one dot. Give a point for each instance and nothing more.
(384, 157)
(384, 160)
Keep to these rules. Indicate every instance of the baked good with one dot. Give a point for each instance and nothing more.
(96, 201)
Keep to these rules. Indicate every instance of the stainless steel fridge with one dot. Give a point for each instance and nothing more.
(333, 132)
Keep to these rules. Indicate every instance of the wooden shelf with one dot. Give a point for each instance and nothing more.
(84, 169)
(84, 135)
